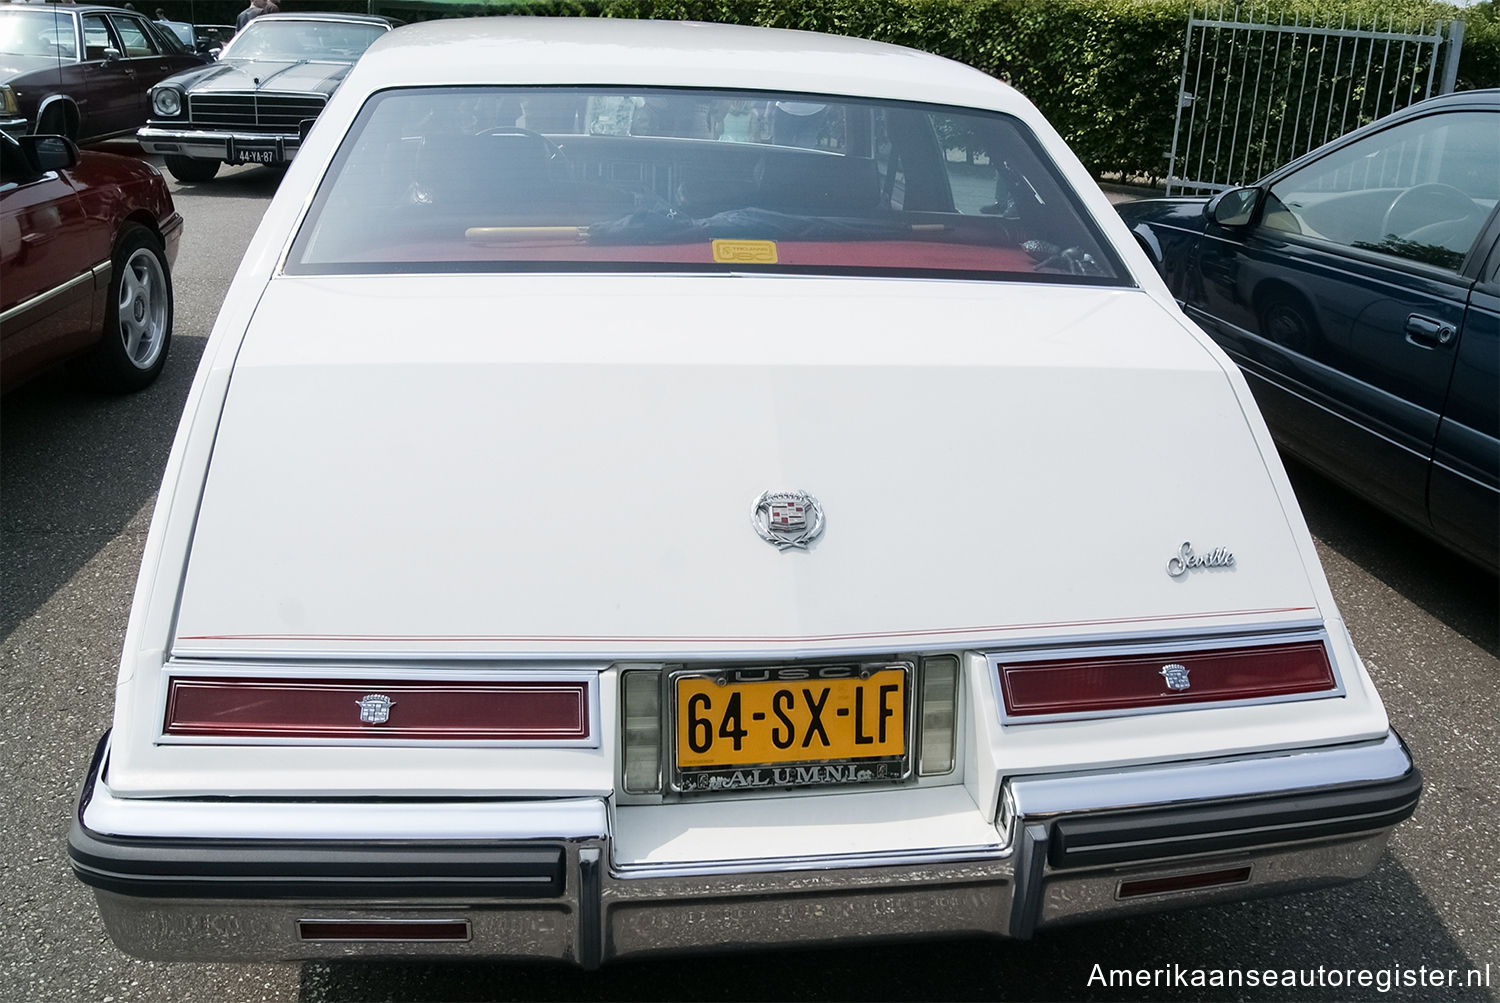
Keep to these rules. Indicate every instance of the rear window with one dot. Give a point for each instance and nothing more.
(506, 179)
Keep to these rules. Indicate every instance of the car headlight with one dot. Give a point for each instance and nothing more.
(8, 104)
(167, 102)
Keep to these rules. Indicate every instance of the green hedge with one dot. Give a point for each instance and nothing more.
(1104, 72)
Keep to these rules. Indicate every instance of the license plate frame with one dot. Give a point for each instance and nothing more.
(855, 687)
(255, 151)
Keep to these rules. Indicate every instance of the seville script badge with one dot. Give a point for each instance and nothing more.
(787, 518)
(1186, 560)
(375, 708)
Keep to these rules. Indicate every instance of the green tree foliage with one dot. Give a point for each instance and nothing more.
(1104, 72)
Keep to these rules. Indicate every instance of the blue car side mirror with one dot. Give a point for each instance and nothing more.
(1233, 208)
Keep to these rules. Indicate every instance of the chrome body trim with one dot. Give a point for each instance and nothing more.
(943, 640)
(208, 929)
(1167, 637)
(91, 276)
(171, 236)
(210, 144)
(570, 818)
(1093, 895)
(425, 670)
(45, 105)
(598, 912)
(253, 94)
(1031, 864)
(947, 855)
(1239, 777)
(590, 906)
(805, 908)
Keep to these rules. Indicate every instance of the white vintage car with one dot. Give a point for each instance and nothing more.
(657, 487)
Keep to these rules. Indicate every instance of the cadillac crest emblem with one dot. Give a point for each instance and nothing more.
(787, 519)
(1176, 676)
(375, 708)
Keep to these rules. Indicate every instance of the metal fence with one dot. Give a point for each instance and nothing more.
(1257, 94)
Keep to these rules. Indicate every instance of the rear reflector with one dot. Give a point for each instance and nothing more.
(378, 708)
(939, 715)
(1184, 882)
(1083, 686)
(385, 930)
(641, 742)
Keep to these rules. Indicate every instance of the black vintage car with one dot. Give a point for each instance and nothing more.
(251, 106)
(81, 71)
(1358, 288)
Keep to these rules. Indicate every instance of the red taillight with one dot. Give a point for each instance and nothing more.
(1197, 881)
(378, 708)
(1082, 686)
(385, 930)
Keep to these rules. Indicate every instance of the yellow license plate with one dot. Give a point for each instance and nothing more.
(731, 723)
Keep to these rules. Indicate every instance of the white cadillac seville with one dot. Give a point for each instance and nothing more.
(657, 487)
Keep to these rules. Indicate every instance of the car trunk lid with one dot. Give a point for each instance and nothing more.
(555, 466)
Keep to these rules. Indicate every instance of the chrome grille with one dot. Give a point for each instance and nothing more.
(249, 113)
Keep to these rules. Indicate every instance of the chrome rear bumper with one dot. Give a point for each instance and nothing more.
(227, 880)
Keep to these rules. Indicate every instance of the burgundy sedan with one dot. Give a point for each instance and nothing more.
(87, 242)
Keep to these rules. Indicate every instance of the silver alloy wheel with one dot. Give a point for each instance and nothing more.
(143, 308)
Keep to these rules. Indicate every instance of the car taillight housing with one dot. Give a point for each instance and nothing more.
(532, 711)
(641, 731)
(1088, 684)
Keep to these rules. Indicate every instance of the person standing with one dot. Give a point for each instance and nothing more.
(250, 13)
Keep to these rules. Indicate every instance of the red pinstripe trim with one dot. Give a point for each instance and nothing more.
(697, 639)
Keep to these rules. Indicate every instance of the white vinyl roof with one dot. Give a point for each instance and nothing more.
(528, 50)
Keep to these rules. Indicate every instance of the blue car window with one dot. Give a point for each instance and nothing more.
(1420, 190)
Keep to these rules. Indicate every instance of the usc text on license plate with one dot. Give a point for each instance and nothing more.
(790, 727)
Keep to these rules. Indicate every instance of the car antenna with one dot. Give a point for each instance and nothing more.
(57, 52)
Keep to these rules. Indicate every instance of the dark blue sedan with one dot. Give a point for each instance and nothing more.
(1358, 288)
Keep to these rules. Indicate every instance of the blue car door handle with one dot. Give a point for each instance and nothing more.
(1425, 332)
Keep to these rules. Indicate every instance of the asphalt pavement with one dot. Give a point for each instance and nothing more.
(78, 476)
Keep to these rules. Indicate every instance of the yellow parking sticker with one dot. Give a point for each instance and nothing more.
(745, 252)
